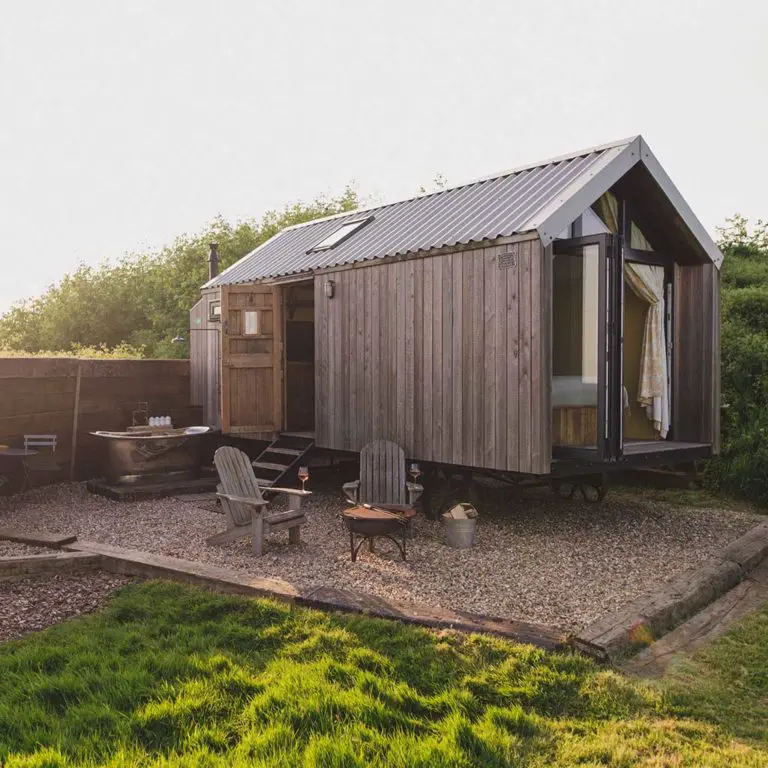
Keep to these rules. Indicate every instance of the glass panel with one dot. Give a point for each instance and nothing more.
(575, 354)
(343, 231)
(251, 322)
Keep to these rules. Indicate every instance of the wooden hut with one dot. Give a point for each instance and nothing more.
(558, 315)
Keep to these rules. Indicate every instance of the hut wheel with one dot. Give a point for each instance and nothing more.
(564, 488)
(444, 490)
(594, 493)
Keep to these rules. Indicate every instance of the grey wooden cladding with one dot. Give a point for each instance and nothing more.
(696, 372)
(205, 358)
(445, 355)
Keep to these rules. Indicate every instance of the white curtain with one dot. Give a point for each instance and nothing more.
(653, 391)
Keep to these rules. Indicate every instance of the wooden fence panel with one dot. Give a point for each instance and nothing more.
(37, 396)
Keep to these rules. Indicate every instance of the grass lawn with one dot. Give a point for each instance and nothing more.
(173, 676)
(727, 682)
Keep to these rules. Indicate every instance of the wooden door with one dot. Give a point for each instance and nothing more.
(251, 360)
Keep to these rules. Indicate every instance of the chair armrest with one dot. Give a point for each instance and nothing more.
(352, 490)
(414, 492)
(287, 491)
(243, 500)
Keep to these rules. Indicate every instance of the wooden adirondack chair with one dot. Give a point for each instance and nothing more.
(383, 478)
(245, 507)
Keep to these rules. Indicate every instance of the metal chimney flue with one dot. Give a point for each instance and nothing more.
(213, 261)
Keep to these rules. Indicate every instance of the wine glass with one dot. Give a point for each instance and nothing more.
(303, 476)
(415, 471)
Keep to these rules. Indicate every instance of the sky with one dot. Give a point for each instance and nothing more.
(126, 123)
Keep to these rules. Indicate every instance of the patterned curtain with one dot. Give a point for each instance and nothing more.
(647, 282)
(637, 239)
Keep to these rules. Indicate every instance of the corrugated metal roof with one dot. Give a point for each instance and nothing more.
(509, 203)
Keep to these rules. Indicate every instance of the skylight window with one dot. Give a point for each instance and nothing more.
(342, 233)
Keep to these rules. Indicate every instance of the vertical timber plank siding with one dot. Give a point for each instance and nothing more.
(535, 259)
(400, 402)
(409, 351)
(427, 371)
(513, 364)
(490, 264)
(446, 355)
(374, 413)
(464, 450)
(446, 411)
(438, 370)
(348, 390)
(197, 359)
(205, 363)
(477, 438)
(368, 337)
(418, 360)
(545, 341)
(321, 361)
(224, 386)
(457, 373)
(696, 387)
(524, 450)
(500, 372)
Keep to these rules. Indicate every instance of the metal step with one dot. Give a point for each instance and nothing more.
(283, 457)
(270, 465)
(287, 451)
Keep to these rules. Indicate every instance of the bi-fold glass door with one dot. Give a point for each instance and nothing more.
(587, 300)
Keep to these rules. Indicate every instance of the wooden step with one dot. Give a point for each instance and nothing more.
(287, 451)
(270, 465)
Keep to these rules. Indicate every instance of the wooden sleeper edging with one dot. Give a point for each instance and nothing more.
(37, 538)
(135, 563)
(348, 601)
(643, 620)
(131, 562)
(61, 562)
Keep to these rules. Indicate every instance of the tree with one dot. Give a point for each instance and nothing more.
(741, 467)
(143, 300)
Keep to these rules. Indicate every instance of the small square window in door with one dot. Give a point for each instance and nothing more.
(251, 322)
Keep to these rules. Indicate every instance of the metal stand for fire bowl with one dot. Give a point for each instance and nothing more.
(388, 521)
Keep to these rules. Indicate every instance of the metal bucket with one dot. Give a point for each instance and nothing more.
(460, 534)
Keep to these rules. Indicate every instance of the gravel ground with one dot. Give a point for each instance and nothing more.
(541, 559)
(12, 549)
(29, 605)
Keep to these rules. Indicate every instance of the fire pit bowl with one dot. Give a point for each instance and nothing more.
(389, 521)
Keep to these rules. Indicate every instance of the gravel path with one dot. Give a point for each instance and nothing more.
(29, 605)
(542, 559)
